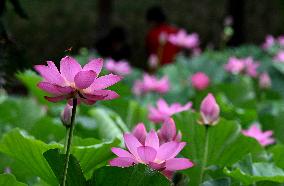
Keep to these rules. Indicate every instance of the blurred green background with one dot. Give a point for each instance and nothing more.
(53, 26)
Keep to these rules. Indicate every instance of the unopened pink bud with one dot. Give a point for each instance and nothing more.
(209, 110)
(200, 81)
(66, 115)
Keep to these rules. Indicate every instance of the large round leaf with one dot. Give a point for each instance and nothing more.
(225, 144)
(139, 175)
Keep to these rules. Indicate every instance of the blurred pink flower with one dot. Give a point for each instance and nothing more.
(209, 110)
(184, 40)
(153, 61)
(269, 42)
(151, 84)
(228, 21)
(279, 57)
(264, 138)
(200, 81)
(121, 67)
(234, 65)
(242, 65)
(138, 88)
(166, 133)
(158, 156)
(251, 67)
(264, 80)
(73, 81)
(280, 40)
(196, 51)
(164, 111)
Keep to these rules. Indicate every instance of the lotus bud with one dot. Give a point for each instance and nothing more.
(66, 115)
(209, 110)
(200, 81)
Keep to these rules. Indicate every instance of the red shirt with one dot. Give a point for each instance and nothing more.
(168, 50)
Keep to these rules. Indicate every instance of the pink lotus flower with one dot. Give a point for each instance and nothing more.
(73, 81)
(264, 138)
(200, 81)
(279, 57)
(164, 111)
(264, 80)
(234, 65)
(209, 110)
(151, 84)
(152, 153)
(269, 42)
(166, 134)
(184, 40)
(251, 67)
(121, 67)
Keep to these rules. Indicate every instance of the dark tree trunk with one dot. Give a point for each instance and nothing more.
(236, 8)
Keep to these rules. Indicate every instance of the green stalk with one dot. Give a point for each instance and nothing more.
(205, 156)
(68, 141)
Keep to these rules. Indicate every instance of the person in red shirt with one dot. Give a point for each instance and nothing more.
(156, 39)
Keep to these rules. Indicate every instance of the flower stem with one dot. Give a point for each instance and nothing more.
(68, 141)
(205, 156)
